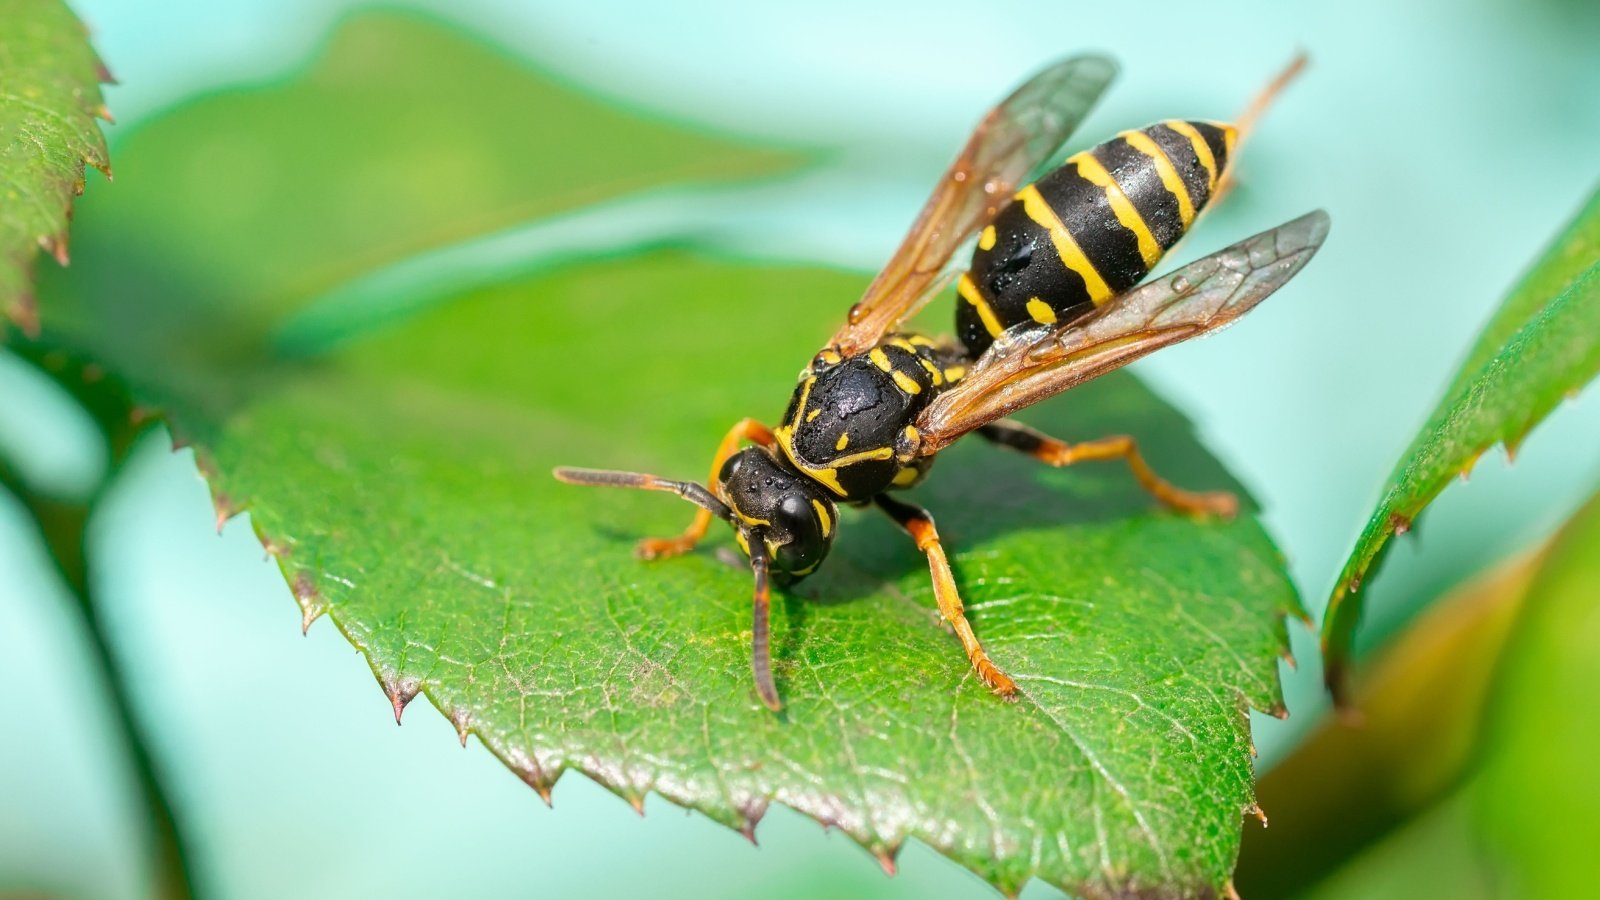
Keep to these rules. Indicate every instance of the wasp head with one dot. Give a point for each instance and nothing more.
(790, 517)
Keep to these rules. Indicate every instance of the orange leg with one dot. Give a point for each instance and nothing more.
(661, 548)
(1052, 452)
(919, 525)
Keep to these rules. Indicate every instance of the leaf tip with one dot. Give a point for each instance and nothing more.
(753, 812)
(56, 246)
(401, 692)
(1254, 809)
(886, 855)
(310, 599)
(531, 773)
(462, 720)
(226, 509)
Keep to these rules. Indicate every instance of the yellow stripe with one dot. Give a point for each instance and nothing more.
(823, 517)
(986, 238)
(1202, 150)
(813, 414)
(906, 382)
(1141, 142)
(1091, 169)
(1071, 254)
(933, 370)
(880, 359)
(844, 440)
(1041, 311)
(968, 289)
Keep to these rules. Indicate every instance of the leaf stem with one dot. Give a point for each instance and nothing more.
(62, 527)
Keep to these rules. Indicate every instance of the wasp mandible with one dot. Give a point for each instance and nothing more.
(1051, 299)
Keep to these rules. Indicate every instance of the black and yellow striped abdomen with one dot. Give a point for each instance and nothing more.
(1090, 229)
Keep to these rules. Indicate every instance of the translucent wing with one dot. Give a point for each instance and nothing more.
(1025, 367)
(1012, 140)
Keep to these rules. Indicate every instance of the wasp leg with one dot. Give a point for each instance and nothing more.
(1056, 453)
(917, 523)
(661, 548)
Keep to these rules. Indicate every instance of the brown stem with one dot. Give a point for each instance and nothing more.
(62, 529)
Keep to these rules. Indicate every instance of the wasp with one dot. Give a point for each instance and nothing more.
(1052, 298)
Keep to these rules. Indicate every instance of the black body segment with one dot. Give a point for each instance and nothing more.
(1090, 229)
(848, 425)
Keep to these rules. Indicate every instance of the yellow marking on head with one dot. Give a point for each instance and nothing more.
(880, 359)
(986, 238)
(923, 340)
(825, 520)
(752, 522)
(932, 370)
(906, 382)
(906, 476)
(955, 373)
(968, 289)
(831, 357)
(1170, 180)
(844, 439)
(813, 414)
(1067, 248)
(805, 400)
(1041, 312)
(744, 544)
(1202, 150)
(1126, 213)
(902, 343)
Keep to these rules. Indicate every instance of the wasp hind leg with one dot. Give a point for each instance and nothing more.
(1056, 453)
(917, 523)
(661, 548)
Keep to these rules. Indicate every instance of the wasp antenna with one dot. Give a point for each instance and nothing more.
(760, 645)
(688, 490)
(1247, 119)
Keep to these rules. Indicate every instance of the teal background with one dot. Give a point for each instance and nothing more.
(1448, 140)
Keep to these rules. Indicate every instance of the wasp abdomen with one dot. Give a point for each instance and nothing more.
(1090, 229)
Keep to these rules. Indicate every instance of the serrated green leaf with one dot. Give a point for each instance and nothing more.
(1539, 348)
(404, 482)
(1538, 789)
(49, 98)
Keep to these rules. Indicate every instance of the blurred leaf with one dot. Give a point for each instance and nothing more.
(1408, 743)
(1434, 855)
(402, 135)
(49, 98)
(1540, 347)
(1481, 769)
(1539, 791)
(404, 483)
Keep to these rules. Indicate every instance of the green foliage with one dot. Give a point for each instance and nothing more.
(1517, 821)
(49, 98)
(403, 481)
(1539, 347)
(1539, 785)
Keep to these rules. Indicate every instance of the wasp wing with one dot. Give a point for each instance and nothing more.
(1026, 366)
(1016, 137)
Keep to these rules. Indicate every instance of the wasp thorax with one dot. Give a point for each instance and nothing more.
(791, 516)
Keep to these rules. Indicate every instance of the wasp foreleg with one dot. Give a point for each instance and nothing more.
(660, 548)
